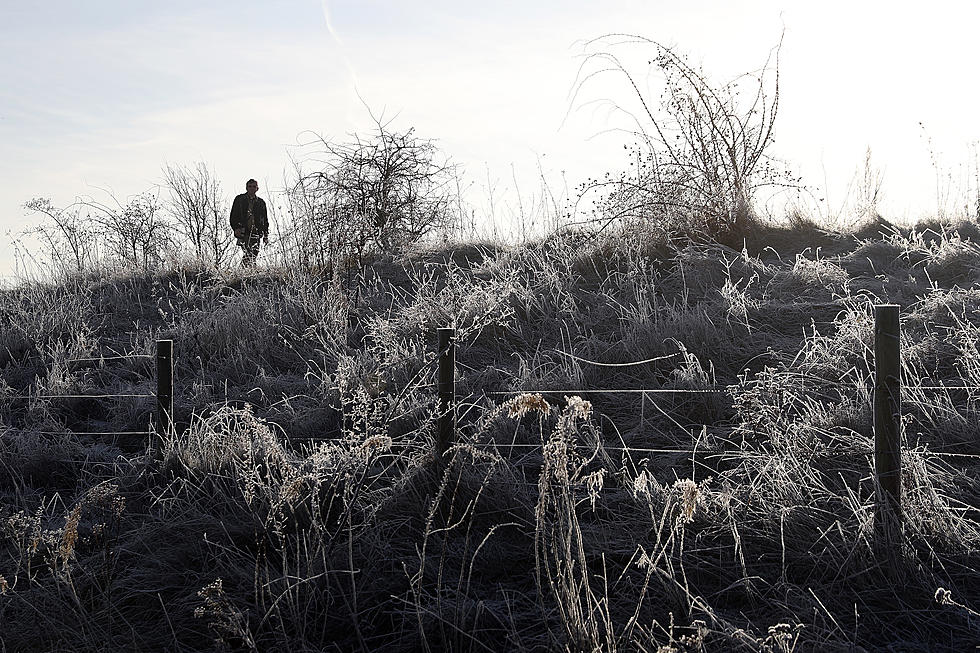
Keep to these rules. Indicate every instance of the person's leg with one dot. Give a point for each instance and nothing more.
(243, 245)
(251, 252)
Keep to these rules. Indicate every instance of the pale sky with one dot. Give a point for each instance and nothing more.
(103, 93)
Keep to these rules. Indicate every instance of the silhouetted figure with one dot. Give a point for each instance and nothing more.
(250, 221)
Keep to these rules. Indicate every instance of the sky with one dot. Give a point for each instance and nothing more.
(96, 97)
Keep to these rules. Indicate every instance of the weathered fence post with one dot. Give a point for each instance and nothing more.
(888, 413)
(447, 390)
(165, 385)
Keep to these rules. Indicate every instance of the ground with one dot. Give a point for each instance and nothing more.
(300, 503)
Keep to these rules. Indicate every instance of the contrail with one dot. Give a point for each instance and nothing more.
(341, 50)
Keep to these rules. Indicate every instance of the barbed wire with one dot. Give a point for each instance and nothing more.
(732, 390)
(941, 387)
(417, 384)
(944, 454)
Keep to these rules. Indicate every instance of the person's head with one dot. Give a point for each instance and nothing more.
(251, 187)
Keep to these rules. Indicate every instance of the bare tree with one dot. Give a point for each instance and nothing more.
(199, 211)
(379, 192)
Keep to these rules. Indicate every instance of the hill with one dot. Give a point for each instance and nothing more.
(298, 505)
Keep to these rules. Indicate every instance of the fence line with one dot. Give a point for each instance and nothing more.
(597, 364)
(108, 358)
(887, 392)
(102, 396)
(612, 391)
(163, 395)
(886, 395)
(70, 432)
(942, 387)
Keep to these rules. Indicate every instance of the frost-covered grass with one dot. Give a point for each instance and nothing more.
(299, 505)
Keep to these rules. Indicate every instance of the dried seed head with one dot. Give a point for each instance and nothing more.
(70, 535)
(523, 404)
(689, 496)
(578, 407)
(377, 442)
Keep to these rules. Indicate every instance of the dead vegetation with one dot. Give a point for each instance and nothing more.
(299, 506)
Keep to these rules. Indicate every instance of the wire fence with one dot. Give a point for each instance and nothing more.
(460, 408)
(64, 432)
(163, 395)
(942, 387)
(100, 359)
(76, 396)
(645, 391)
(886, 395)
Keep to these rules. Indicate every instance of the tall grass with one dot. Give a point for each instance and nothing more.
(299, 506)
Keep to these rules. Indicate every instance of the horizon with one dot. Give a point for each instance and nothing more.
(110, 93)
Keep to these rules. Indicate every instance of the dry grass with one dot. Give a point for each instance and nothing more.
(299, 506)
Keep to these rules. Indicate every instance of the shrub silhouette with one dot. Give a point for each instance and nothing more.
(700, 150)
(377, 193)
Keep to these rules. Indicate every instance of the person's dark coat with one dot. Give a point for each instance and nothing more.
(239, 215)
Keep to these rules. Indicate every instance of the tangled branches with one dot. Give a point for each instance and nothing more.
(378, 192)
(700, 150)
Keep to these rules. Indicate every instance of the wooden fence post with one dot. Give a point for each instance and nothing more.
(165, 385)
(888, 412)
(447, 390)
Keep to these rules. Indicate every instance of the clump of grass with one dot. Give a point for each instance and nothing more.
(39, 318)
(301, 504)
(812, 279)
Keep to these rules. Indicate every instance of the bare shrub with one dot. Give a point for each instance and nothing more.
(199, 211)
(316, 235)
(68, 239)
(373, 193)
(700, 150)
(89, 235)
(136, 233)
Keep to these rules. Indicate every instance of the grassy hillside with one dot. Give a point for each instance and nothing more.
(299, 505)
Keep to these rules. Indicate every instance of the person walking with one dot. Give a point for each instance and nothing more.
(250, 220)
